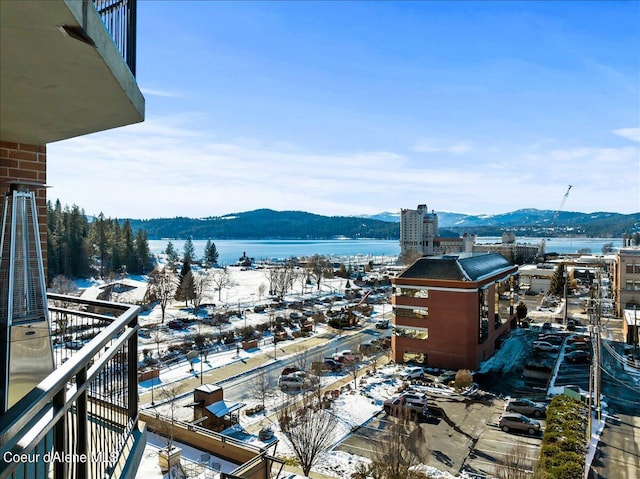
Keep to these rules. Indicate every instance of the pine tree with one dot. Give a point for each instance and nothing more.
(143, 257)
(129, 258)
(189, 251)
(211, 254)
(172, 254)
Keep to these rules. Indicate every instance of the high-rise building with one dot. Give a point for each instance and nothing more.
(418, 232)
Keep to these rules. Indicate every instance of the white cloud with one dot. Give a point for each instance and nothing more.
(439, 147)
(161, 93)
(167, 167)
(632, 134)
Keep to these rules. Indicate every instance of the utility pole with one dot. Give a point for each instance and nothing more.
(565, 276)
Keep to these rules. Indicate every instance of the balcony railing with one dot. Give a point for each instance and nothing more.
(81, 420)
(119, 17)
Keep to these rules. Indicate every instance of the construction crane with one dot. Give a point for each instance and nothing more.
(564, 200)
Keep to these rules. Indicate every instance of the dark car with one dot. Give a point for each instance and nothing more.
(546, 326)
(578, 347)
(551, 338)
(571, 325)
(526, 407)
(175, 324)
(578, 356)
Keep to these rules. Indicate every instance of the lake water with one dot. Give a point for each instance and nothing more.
(231, 250)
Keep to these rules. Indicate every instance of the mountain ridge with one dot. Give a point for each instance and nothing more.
(266, 223)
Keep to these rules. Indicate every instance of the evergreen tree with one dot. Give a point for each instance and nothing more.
(172, 254)
(101, 233)
(211, 254)
(129, 258)
(189, 251)
(186, 287)
(116, 247)
(556, 286)
(143, 257)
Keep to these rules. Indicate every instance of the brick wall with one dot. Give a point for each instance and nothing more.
(20, 161)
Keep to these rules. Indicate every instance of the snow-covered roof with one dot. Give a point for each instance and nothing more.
(222, 408)
(463, 267)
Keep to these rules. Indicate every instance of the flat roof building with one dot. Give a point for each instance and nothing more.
(451, 311)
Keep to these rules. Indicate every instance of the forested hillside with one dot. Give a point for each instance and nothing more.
(77, 248)
(265, 223)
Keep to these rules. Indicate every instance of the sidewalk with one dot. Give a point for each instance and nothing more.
(248, 360)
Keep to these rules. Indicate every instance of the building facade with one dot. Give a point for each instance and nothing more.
(452, 311)
(626, 280)
(67, 69)
(418, 231)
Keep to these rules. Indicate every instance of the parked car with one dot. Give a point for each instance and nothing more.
(578, 356)
(175, 324)
(329, 364)
(571, 325)
(446, 377)
(288, 370)
(513, 421)
(544, 346)
(382, 324)
(578, 338)
(526, 407)
(547, 326)
(345, 356)
(578, 347)
(555, 339)
(411, 372)
(415, 404)
(298, 380)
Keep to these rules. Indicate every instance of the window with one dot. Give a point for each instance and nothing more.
(413, 333)
(411, 292)
(419, 313)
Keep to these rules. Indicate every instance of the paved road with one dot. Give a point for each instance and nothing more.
(618, 454)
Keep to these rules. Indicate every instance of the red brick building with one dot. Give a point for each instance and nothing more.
(450, 311)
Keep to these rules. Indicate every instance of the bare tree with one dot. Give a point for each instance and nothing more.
(162, 287)
(156, 336)
(201, 282)
(353, 367)
(399, 450)
(281, 278)
(170, 393)
(319, 267)
(518, 463)
(261, 290)
(308, 429)
(263, 387)
(222, 279)
(303, 358)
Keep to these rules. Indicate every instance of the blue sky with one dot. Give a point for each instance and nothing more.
(343, 108)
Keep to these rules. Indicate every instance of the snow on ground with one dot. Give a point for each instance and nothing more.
(351, 408)
(509, 355)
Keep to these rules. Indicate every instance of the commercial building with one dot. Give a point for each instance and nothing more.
(515, 252)
(626, 279)
(451, 311)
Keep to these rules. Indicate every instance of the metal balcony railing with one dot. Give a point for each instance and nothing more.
(119, 17)
(81, 420)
